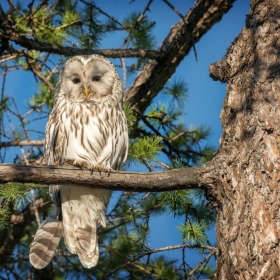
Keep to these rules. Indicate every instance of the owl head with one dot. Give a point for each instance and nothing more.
(90, 78)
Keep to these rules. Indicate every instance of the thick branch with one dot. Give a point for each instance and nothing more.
(184, 178)
(175, 47)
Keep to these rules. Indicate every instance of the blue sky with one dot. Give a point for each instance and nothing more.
(205, 95)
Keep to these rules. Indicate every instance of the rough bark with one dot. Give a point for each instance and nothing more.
(184, 178)
(248, 162)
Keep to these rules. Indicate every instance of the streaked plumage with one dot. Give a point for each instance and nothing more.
(87, 127)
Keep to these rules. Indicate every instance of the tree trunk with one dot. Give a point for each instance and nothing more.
(248, 161)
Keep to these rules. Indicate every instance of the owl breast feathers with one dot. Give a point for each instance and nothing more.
(88, 128)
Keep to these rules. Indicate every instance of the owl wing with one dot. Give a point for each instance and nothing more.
(55, 140)
(120, 149)
(124, 131)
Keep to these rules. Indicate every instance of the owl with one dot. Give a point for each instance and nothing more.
(86, 128)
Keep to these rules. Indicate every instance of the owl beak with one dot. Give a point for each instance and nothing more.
(86, 92)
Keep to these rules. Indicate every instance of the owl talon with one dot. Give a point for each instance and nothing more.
(96, 167)
(91, 170)
(91, 167)
(100, 168)
(108, 171)
(81, 164)
(78, 163)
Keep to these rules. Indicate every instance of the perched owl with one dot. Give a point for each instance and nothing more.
(87, 128)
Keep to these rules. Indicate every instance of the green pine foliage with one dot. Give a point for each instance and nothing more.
(43, 96)
(44, 193)
(140, 32)
(15, 191)
(13, 196)
(182, 141)
(5, 215)
(90, 38)
(177, 203)
(164, 269)
(133, 215)
(206, 271)
(145, 149)
(4, 104)
(193, 232)
(69, 17)
(43, 28)
(178, 91)
(130, 118)
(18, 136)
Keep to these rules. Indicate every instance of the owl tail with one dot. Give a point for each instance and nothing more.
(87, 246)
(80, 237)
(82, 209)
(45, 242)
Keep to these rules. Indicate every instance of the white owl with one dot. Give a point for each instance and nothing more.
(87, 127)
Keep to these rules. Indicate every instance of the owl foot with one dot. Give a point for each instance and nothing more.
(82, 164)
(99, 167)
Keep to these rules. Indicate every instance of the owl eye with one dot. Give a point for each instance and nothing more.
(76, 81)
(96, 78)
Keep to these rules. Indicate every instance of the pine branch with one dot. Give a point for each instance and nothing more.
(6, 57)
(68, 24)
(19, 222)
(168, 143)
(21, 120)
(158, 250)
(137, 22)
(31, 44)
(34, 67)
(176, 179)
(174, 9)
(205, 260)
(182, 133)
(21, 143)
(138, 201)
(104, 13)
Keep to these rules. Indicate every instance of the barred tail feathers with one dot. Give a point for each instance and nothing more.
(87, 244)
(82, 209)
(45, 242)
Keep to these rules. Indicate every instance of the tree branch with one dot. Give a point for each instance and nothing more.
(21, 143)
(31, 44)
(205, 260)
(184, 178)
(104, 13)
(151, 80)
(158, 250)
